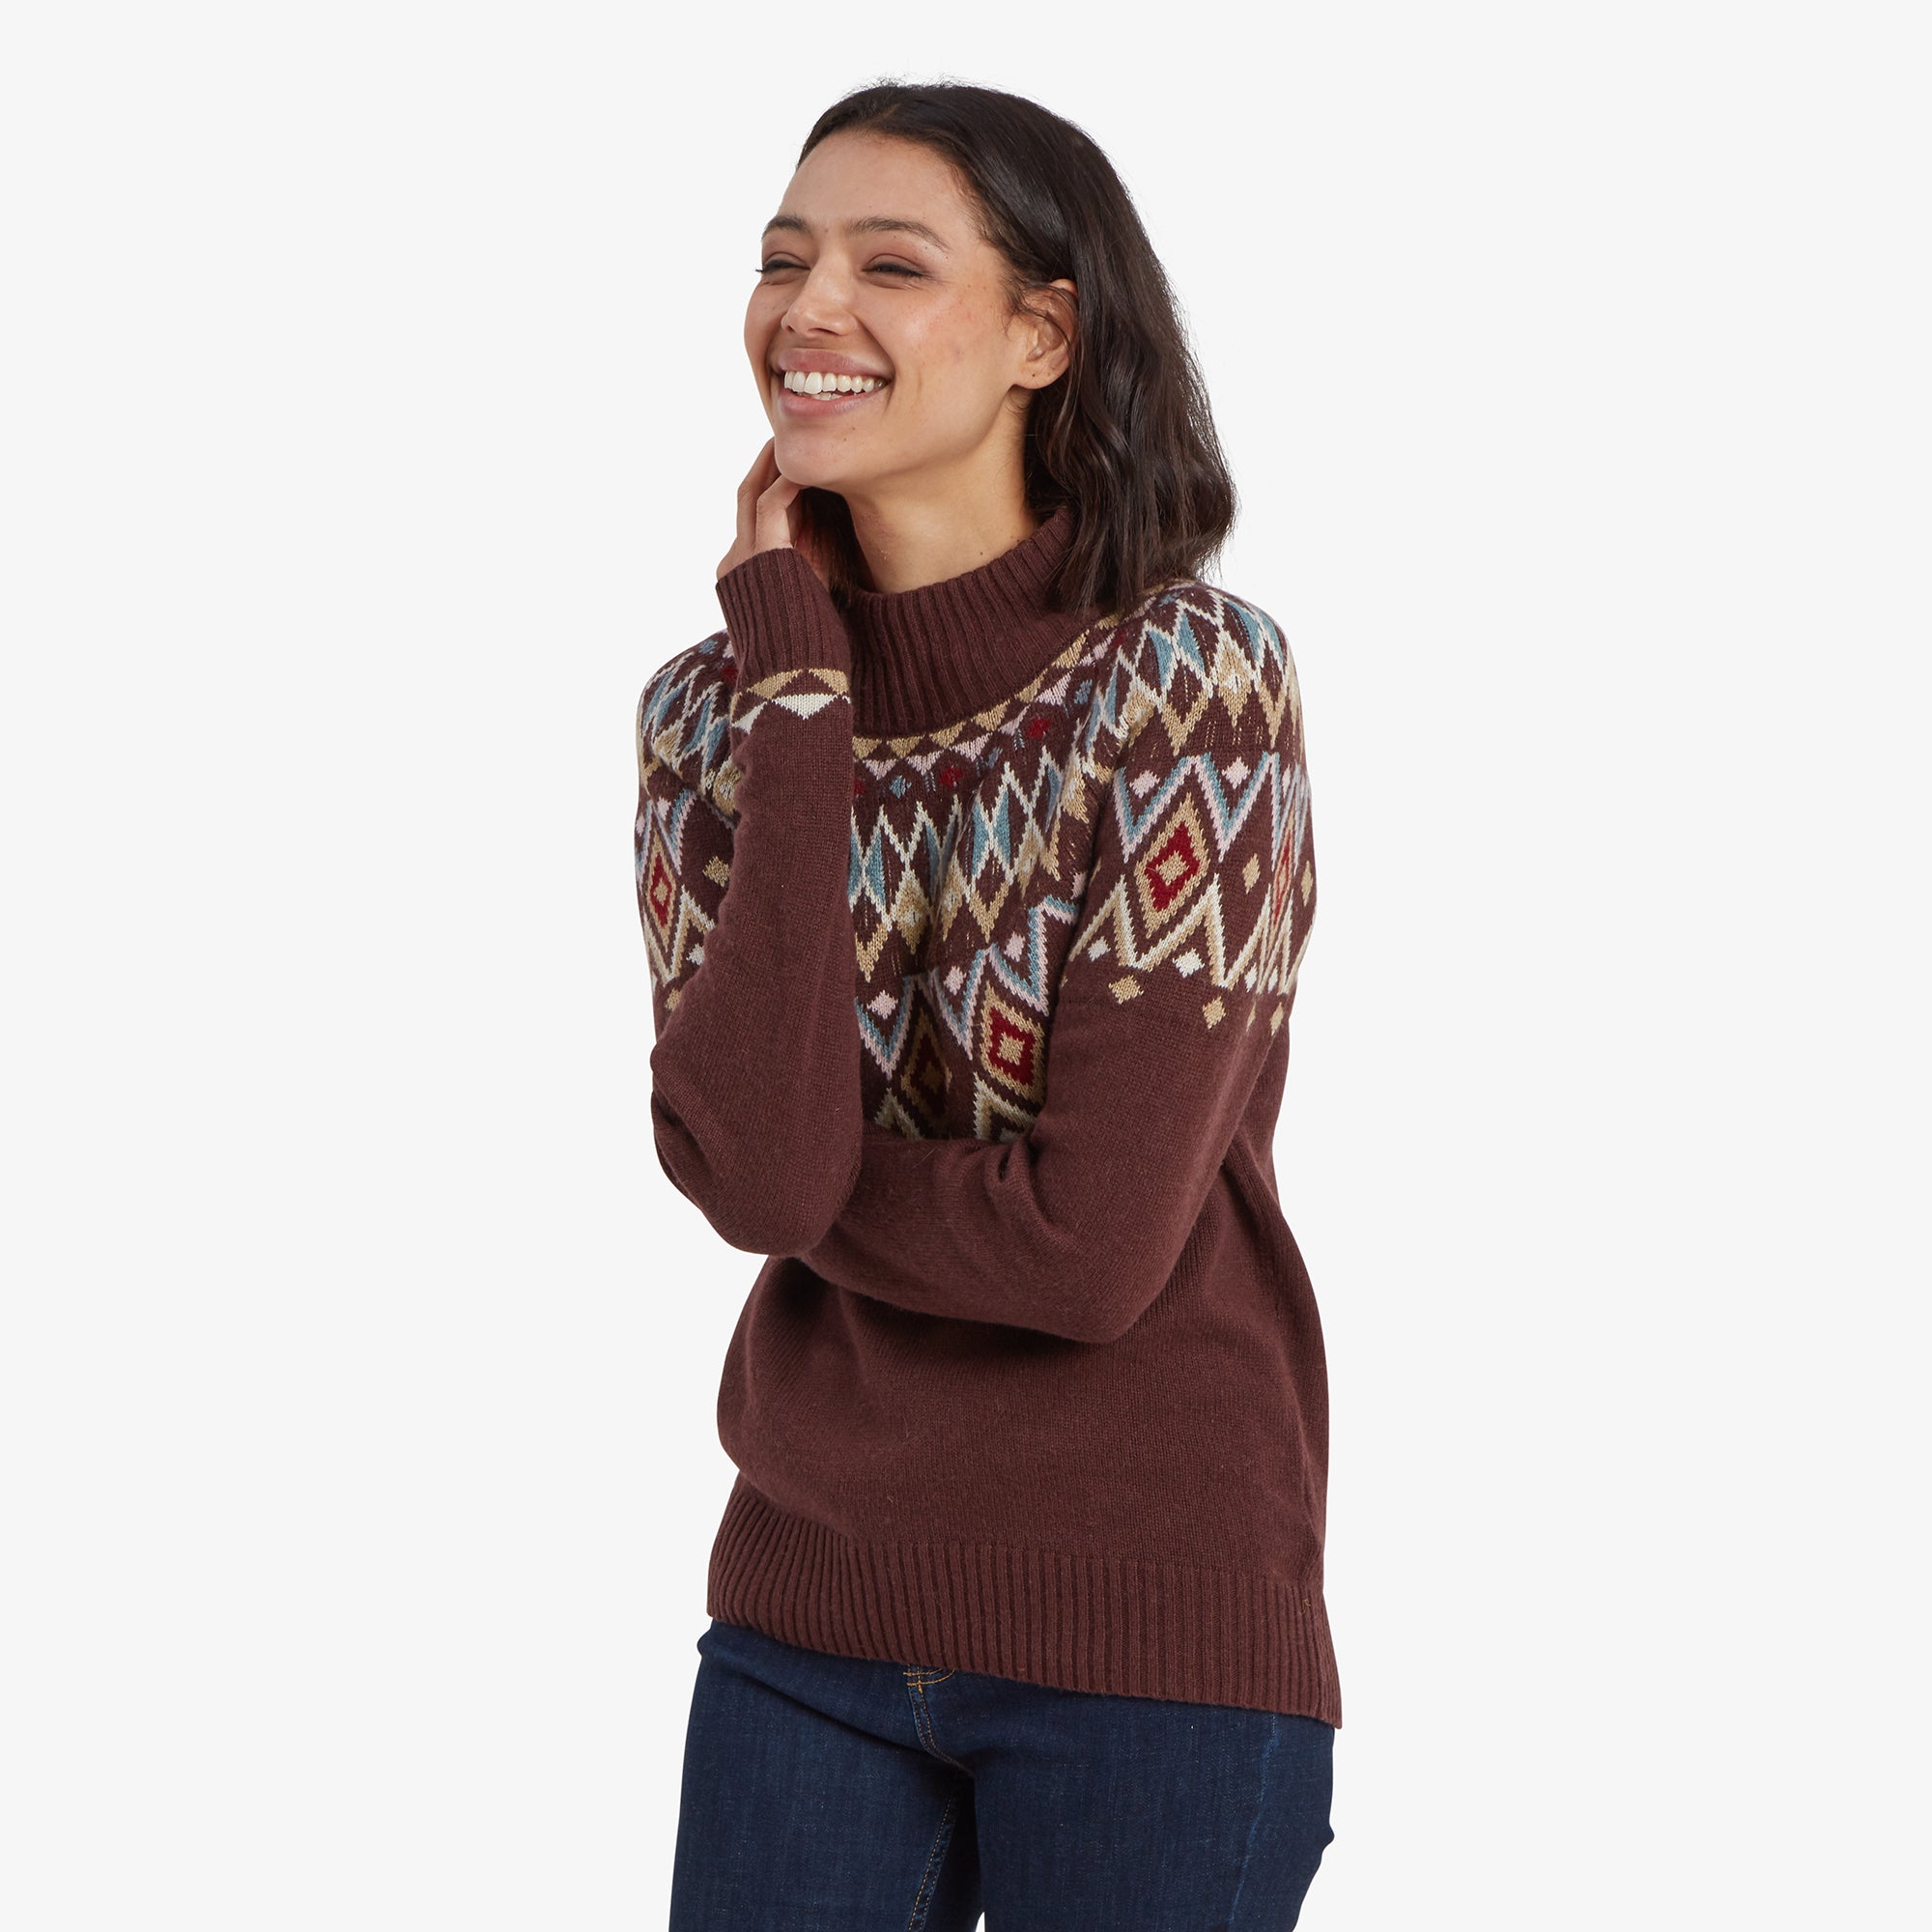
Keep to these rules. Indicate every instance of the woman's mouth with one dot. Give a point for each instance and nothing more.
(797, 398)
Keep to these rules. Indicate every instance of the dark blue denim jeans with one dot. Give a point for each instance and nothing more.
(838, 1794)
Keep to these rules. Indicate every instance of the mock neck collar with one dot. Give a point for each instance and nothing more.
(937, 654)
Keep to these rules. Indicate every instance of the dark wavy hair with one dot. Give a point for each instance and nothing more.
(1124, 434)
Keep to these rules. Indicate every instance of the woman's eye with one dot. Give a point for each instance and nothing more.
(778, 262)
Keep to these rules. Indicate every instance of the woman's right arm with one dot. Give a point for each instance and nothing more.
(743, 848)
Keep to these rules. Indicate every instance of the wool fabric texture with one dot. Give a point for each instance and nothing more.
(974, 928)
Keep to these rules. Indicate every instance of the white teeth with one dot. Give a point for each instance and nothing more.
(818, 384)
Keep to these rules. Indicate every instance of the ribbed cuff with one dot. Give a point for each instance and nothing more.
(781, 617)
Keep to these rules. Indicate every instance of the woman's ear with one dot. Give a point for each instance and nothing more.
(1055, 313)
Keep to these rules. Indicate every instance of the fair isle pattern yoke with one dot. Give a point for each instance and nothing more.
(972, 843)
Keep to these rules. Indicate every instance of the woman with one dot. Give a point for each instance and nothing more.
(1016, 1604)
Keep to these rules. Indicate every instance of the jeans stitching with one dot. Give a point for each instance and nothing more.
(922, 1717)
(934, 1859)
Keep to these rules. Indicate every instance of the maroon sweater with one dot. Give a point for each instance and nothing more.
(974, 930)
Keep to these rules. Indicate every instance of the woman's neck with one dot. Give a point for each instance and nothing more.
(907, 545)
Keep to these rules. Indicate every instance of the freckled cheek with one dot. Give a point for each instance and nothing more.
(960, 340)
(943, 341)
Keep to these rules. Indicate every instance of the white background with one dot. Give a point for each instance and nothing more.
(374, 397)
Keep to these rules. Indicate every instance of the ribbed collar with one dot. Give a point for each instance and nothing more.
(938, 654)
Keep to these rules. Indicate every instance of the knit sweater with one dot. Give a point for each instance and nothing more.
(974, 930)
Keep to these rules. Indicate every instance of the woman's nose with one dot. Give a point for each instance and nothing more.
(820, 302)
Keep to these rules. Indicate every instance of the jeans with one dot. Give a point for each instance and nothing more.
(840, 1794)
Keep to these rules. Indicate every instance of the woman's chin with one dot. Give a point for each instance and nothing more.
(809, 468)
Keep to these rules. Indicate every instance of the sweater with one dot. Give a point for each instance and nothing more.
(974, 930)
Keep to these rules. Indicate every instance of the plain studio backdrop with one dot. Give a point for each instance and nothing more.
(374, 400)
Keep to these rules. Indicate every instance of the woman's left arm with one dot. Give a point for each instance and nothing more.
(1198, 909)
(743, 847)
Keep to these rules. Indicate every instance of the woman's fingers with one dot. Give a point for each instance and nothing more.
(757, 481)
(773, 514)
(766, 512)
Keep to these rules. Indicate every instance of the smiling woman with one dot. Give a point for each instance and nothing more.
(1023, 335)
(976, 867)
(896, 343)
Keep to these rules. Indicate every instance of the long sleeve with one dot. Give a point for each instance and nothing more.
(743, 848)
(1174, 989)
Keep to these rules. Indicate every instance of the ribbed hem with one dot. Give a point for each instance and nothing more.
(781, 617)
(1078, 1623)
(943, 653)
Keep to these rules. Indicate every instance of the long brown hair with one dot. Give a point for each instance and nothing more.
(1124, 434)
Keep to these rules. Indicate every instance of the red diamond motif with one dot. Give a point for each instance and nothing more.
(663, 888)
(1171, 866)
(1010, 1049)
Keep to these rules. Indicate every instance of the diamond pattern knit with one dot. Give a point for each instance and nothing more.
(974, 930)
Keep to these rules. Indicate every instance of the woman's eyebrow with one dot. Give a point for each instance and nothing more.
(863, 224)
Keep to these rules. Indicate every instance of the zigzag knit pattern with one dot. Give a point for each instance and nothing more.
(1138, 811)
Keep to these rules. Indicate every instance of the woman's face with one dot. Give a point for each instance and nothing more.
(915, 299)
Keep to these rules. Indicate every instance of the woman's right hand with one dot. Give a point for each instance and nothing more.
(768, 514)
